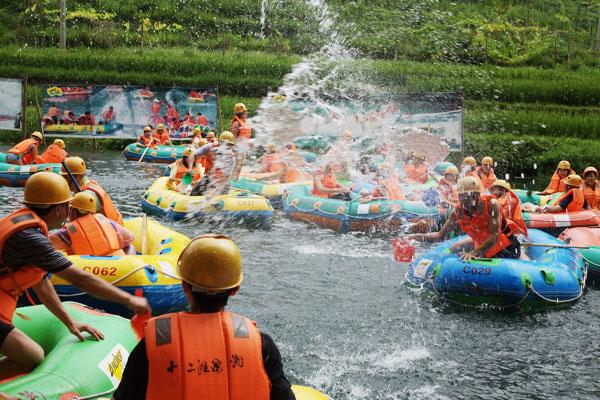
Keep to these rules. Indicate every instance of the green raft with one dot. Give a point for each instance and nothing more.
(17, 175)
(537, 198)
(160, 154)
(90, 368)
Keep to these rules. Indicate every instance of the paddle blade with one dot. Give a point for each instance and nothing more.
(187, 179)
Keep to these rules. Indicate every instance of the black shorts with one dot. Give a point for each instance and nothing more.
(5, 329)
(512, 251)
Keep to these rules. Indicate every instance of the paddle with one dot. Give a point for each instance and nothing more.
(71, 176)
(187, 178)
(554, 246)
(143, 154)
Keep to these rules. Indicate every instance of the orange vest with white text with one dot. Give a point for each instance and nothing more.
(108, 209)
(93, 235)
(576, 204)
(54, 154)
(486, 180)
(15, 282)
(328, 181)
(212, 356)
(24, 149)
(511, 207)
(592, 196)
(477, 226)
(244, 131)
(556, 183)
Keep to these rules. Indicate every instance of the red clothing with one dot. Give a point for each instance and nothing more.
(202, 120)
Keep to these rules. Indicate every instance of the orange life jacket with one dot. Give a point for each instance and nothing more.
(202, 121)
(147, 141)
(182, 170)
(108, 115)
(511, 207)
(328, 181)
(53, 111)
(86, 120)
(448, 191)
(393, 188)
(15, 282)
(556, 183)
(213, 356)
(486, 180)
(24, 149)
(244, 130)
(477, 227)
(108, 209)
(578, 200)
(416, 174)
(592, 196)
(172, 113)
(93, 235)
(161, 137)
(271, 163)
(53, 154)
(155, 108)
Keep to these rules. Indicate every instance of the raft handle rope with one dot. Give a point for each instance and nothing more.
(390, 214)
(557, 301)
(127, 275)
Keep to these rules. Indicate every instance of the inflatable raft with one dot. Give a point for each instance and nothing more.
(554, 276)
(160, 154)
(555, 223)
(588, 237)
(17, 175)
(98, 129)
(536, 198)
(236, 207)
(377, 216)
(72, 369)
(152, 274)
(272, 191)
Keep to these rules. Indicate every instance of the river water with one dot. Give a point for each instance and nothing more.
(337, 307)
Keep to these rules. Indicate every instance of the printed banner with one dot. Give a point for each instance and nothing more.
(118, 111)
(389, 115)
(11, 98)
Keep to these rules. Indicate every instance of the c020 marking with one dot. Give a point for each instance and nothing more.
(467, 269)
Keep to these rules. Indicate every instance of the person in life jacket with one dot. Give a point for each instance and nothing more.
(26, 151)
(211, 137)
(146, 139)
(239, 125)
(155, 107)
(55, 153)
(180, 168)
(326, 185)
(591, 187)
(417, 170)
(485, 173)
(557, 184)
(108, 116)
(172, 113)
(271, 161)
(388, 185)
(572, 200)
(89, 233)
(86, 118)
(161, 134)
(510, 205)
(208, 350)
(53, 114)
(222, 165)
(104, 203)
(26, 258)
(68, 117)
(201, 119)
(447, 186)
(468, 167)
(480, 217)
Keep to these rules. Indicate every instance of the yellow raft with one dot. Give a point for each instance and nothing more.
(152, 274)
(239, 207)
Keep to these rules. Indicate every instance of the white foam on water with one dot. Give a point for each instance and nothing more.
(337, 249)
(402, 359)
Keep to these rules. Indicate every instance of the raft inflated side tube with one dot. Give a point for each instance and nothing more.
(588, 237)
(308, 393)
(16, 175)
(160, 154)
(271, 191)
(553, 277)
(537, 198)
(72, 369)
(555, 223)
(74, 128)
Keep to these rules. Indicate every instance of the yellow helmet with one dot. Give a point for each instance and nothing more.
(573, 180)
(588, 170)
(564, 165)
(187, 151)
(470, 161)
(211, 134)
(84, 202)
(160, 126)
(76, 165)
(487, 161)
(60, 143)
(212, 263)
(37, 135)
(226, 136)
(468, 184)
(451, 170)
(240, 107)
(502, 183)
(46, 188)
(202, 142)
(147, 129)
(197, 130)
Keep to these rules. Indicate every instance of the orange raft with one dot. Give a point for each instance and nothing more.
(556, 222)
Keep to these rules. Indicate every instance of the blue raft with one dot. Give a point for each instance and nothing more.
(553, 277)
